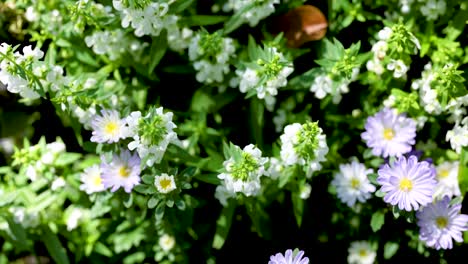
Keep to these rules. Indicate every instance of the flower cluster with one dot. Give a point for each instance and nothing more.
(210, 54)
(12, 67)
(145, 17)
(113, 44)
(251, 11)
(304, 145)
(324, 85)
(241, 173)
(265, 75)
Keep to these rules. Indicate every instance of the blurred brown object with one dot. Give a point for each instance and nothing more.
(303, 24)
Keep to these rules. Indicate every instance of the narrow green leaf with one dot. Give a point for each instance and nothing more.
(55, 248)
(203, 20)
(223, 224)
(157, 51)
(298, 208)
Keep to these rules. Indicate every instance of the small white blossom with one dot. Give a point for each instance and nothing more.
(305, 191)
(108, 127)
(57, 184)
(252, 11)
(385, 33)
(91, 180)
(361, 252)
(165, 183)
(398, 67)
(166, 242)
(447, 180)
(458, 136)
(322, 86)
(432, 9)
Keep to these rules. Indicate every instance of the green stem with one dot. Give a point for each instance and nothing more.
(257, 110)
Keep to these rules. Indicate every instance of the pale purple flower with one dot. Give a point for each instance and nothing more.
(440, 222)
(289, 258)
(108, 127)
(407, 183)
(122, 171)
(389, 133)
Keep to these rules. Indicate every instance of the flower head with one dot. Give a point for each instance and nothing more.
(108, 127)
(242, 171)
(122, 171)
(361, 252)
(166, 242)
(164, 183)
(289, 258)
(151, 134)
(389, 133)
(407, 183)
(447, 180)
(91, 180)
(440, 222)
(304, 145)
(352, 184)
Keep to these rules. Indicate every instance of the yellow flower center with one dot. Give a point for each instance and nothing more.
(441, 222)
(97, 180)
(355, 183)
(165, 183)
(443, 174)
(111, 128)
(124, 172)
(388, 133)
(406, 185)
(362, 252)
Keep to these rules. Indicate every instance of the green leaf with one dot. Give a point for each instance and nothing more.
(17, 230)
(203, 20)
(129, 202)
(180, 204)
(102, 249)
(390, 249)
(377, 221)
(148, 179)
(373, 178)
(55, 248)
(463, 171)
(159, 212)
(152, 202)
(157, 51)
(223, 224)
(67, 158)
(298, 207)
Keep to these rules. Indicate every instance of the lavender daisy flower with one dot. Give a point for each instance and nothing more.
(122, 171)
(389, 133)
(440, 222)
(289, 258)
(407, 183)
(108, 127)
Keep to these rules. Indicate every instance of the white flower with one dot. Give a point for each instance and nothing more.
(279, 120)
(7, 145)
(447, 180)
(151, 134)
(361, 252)
(433, 9)
(109, 127)
(242, 175)
(304, 145)
(31, 15)
(275, 168)
(252, 11)
(385, 33)
(380, 49)
(91, 180)
(322, 86)
(305, 191)
(24, 217)
(58, 183)
(352, 184)
(399, 68)
(166, 242)
(73, 218)
(265, 80)
(376, 66)
(458, 137)
(165, 183)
